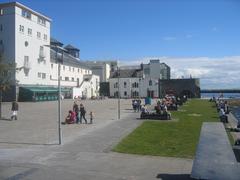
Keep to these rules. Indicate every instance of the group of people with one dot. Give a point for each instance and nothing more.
(77, 114)
(162, 107)
(222, 108)
(137, 105)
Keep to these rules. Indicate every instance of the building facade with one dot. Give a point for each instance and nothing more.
(25, 40)
(140, 81)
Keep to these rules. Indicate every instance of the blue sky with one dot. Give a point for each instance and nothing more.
(135, 30)
(132, 29)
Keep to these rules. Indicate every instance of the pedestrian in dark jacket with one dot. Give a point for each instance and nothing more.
(76, 110)
(83, 112)
(14, 110)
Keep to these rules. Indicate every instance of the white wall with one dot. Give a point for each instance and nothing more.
(143, 86)
(32, 50)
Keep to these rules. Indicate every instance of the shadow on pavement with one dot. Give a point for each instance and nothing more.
(174, 177)
(5, 119)
(28, 143)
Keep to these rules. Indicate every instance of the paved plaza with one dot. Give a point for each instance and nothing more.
(29, 150)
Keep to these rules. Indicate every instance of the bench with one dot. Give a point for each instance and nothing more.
(214, 158)
(155, 116)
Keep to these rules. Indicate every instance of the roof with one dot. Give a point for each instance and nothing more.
(127, 73)
(55, 42)
(69, 46)
(25, 7)
(68, 60)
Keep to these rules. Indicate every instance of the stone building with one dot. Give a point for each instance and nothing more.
(180, 87)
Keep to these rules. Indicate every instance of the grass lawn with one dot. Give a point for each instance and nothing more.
(175, 139)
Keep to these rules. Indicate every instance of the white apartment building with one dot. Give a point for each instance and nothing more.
(25, 40)
(140, 81)
(102, 68)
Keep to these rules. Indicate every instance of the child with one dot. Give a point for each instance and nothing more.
(91, 117)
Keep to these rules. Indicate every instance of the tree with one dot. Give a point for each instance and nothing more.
(6, 80)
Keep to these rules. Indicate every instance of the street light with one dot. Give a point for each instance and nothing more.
(118, 73)
(59, 60)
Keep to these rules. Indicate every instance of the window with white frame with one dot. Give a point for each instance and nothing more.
(39, 75)
(38, 35)
(26, 14)
(43, 75)
(41, 21)
(26, 61)
(45, 37)
(1, 12)
(21, 28)
(29, 31)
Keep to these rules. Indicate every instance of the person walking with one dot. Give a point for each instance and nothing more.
(14, 110)
(83, 112)
(76, 110)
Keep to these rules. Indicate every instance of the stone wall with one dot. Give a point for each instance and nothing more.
(180, 87)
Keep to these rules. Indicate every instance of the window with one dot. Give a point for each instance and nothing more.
(78, 69)
(64, 68)
(38, 35)
(51, 65)
(1, 27)
(150, 83)
(26, 14)
(21, 28)
(50, 76)
(26, 61)
(125, 93)
(66, 78)
(125, 84)
(45, 37)
(39, 74)
(29, 31)
(69, 68)
(72, 79)
(43, 75)
(85, 71)
(41, 21)
(1, 12)
(1, 41)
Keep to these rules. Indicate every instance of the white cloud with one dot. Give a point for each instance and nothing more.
(221, 72)
(169, 38)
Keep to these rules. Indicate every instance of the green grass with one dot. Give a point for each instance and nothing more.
(173, 139)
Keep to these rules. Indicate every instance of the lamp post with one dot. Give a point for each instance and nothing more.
(118, 72)
(59, 60)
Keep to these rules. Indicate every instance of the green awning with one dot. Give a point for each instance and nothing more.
(44, 89)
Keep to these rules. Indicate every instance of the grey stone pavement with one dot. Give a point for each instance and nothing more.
(28, 148)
